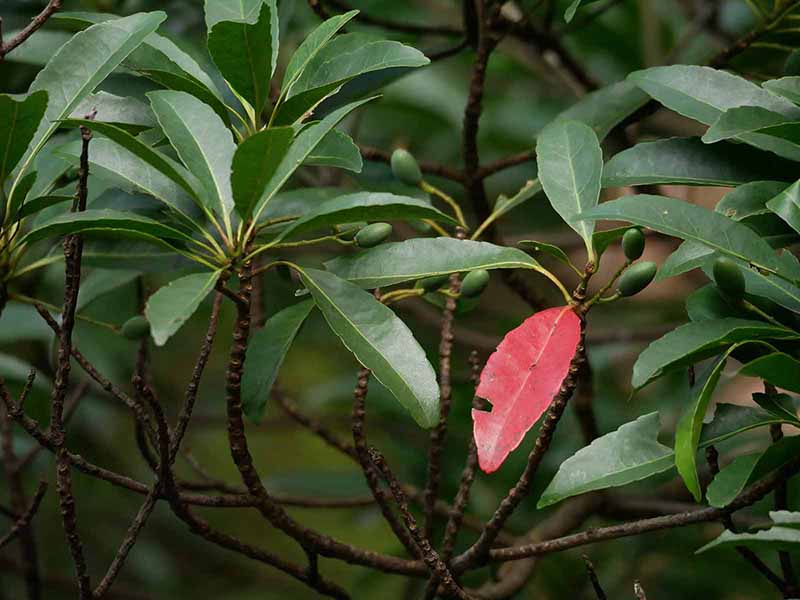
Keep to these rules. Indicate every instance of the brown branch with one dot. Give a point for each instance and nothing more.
(24, 521)
(594, 580)
(36, 23)
(506, 163)
(313, 425)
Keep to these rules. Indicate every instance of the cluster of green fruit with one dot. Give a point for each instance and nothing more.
(640, 275)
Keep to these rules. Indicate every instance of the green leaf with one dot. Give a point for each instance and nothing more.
(19, 120)
(108, 221)
(689, 222)
(760, 128)
(418, 258)
(203, 142)
(100, 282)
(631, 453)
(364, 206)
(781, 406)
(687, 432)
(37, 49)
(302, 147)
(780, 369)
(121, 111)
(786, 87)
(703, 93)
(18, 195)
(265, 354)
(550, 249)
(81, 64)
(601, 240)
(776, 538)
(787, 205)
(690, 161)
(708, 304)
(749, 199)
(570, 167)
(380, 341)
(693, 342)
(503, 204)
(244, 46)
(338, 150)
(255, 163)
(604, 109)
(744, 470)
(573, 8)
(171, 306)
(311, 46)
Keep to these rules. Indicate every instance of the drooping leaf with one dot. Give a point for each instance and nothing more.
(364, 206)
(172, 305)
(81, 64)
(380, 341)
(338, 150)
(629, 454)
(19, 120)
(779, 368)
(687, 432)
(694, 342)
(747, 469)
(265, 354)
(255, 163)
(570, 167)
(243, 41)
(418, 258)
(203, 142)
(689, 161)
(520, 379)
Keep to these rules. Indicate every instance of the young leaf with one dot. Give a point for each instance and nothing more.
(81, 64)
(254, 164)
(171, 306)
(629, 454)
(687, 433)
(418, 258)
(550, 249)
(779, 369)
(689, 161)
(380, 341)
(268, 348)
(203, 142)
(364, 206)
(570, 167)
(244, 46)
(748, 469)
(19, 120)
(694, 342)
(520, 379)
(775, 538)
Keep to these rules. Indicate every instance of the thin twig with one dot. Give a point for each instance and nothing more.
(24, 521)
(36, 23)
(594, 579)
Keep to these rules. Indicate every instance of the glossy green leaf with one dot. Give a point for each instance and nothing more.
(254, 164)
(172, 305)
(418, 258)
(786, 205)
(787, 87)
(550, 249)
(760, 128)
(380, 341)
(690, 222)
(570, 167)
(693, 342)
(108, 221)
(17, 198)
(19, 120)
(747, 469)
(338, 150)
(364, 206)
(243, 42)
(629, 454)
(601, 240)
(122, 111)
(302, 147)
(38, 49)
(749, 199)
(203, 142)
(779, 368)
(81, 64)
(778, 537)
(687, 432)
(708, 304)
(265, 355)
(690, 161)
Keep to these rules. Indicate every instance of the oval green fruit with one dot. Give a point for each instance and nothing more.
(633, 244)
(136, 328)
(405, 167)
(729, 277)
(474, 283)
(374, 234)
(636, 278)
(430, 284)
(420, 226)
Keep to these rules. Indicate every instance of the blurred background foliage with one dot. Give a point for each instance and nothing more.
(422, 111)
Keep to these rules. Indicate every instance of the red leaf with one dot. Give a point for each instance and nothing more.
(520, 379)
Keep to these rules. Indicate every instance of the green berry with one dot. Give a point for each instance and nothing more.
(136, 328)
(420, 226)
(430, 284)
(405, 167)
(374, 234)
(633, 244)
(636, 278)
(474, 283)
(729, 278)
